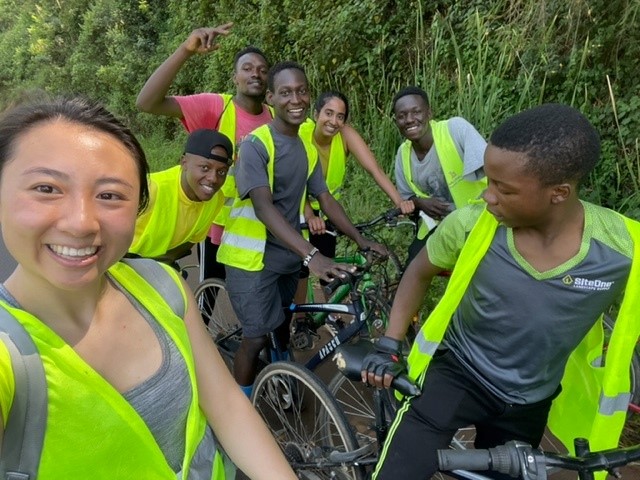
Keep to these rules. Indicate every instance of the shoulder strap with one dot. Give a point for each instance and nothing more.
(26, 422)
(161, 281)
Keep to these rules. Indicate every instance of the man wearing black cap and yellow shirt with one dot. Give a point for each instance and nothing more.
(183, 200)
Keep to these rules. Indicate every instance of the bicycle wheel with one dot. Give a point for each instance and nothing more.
(377, 311)
(305, 421)
(356, 401)
(388, 275)
(218, 315)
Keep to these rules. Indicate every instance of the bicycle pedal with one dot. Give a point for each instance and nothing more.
(302, 340)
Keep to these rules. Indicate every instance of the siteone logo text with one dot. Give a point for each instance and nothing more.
(587, 284)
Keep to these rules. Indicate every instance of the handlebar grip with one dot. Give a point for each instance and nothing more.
(331, 287)
(405, 386)
(474, 460)
(393, 213)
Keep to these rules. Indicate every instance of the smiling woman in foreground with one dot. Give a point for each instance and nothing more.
(133, 381)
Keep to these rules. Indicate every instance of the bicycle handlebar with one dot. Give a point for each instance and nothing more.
(350, 361)
(520, 460)
(388, 217)
(370, 259)
(503, 459)
(331, 287)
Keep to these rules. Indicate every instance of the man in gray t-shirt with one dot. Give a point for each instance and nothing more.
(430, 149)
(272, 174)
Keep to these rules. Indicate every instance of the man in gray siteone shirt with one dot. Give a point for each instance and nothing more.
(419, 166)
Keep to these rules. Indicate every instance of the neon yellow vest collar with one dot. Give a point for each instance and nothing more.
(462, 191)
(594, 401)
(336, 166)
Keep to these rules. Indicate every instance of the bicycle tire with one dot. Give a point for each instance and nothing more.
(356, 401)
(393, 273)
(293, 402)
(219, 317)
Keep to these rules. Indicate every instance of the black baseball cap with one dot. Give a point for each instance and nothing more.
(202, 141)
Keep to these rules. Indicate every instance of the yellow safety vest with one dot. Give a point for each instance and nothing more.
(227, 125)
(245, 236)
(593, 402)
(91, 429)
(462, 191)
(336, 166)
(156, 238)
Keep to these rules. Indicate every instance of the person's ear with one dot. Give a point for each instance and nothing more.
(316, 114)
(561, 193)
(269, 98)
(183, 160)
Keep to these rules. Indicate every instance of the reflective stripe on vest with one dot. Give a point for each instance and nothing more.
(245, 236)
(593, 401)
(336, 164)
(462, 191)
(611, 405)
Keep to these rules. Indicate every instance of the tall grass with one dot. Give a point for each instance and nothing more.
(485, 65)
(485, 69)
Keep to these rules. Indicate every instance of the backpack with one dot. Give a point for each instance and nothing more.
(25, 425)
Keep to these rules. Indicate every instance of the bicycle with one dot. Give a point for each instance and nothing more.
(319, 440)
(386, 275)
(364, 306)
(519, 459)
(308, 424)
(364, 411)
(383, 277)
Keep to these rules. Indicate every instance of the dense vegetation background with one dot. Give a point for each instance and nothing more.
(482, 59)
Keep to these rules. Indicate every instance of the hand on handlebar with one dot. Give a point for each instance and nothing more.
(407, 207)
(316, 225)
(436, 209)
(326, 269)
(367, 245)
(384, 363)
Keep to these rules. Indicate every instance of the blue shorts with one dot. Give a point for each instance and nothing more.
(258, 298)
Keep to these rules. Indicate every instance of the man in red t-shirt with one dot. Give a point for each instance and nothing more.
(210, 110)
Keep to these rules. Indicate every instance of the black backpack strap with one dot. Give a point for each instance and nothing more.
(161, 281)
(27, 419)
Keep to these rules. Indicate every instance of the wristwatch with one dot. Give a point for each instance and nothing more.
(309, 256)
